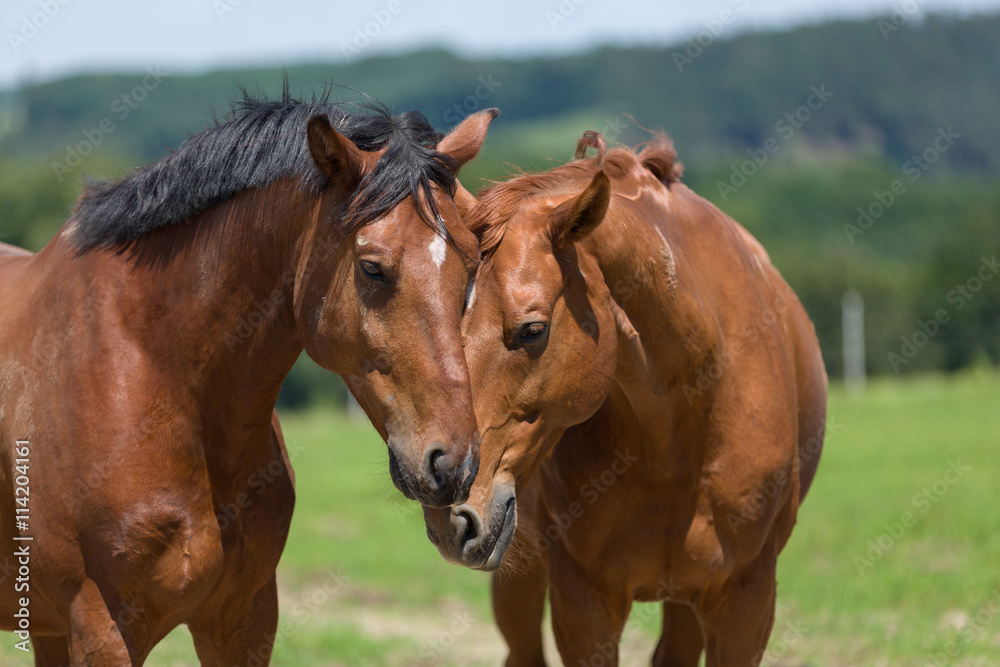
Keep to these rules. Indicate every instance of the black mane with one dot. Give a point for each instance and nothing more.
(260, 142)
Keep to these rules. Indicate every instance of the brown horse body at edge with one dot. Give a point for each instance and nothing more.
(651, 392)
(142, 351)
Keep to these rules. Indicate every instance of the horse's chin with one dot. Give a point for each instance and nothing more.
(464, 538)
(504, 537)
(396, 474)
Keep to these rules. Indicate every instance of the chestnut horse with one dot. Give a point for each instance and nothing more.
(651, 393)
(142, 351)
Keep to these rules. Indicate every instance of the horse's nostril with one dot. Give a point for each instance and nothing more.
(469, 533)
(435, 465)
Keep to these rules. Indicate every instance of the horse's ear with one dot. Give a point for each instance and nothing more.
(464, 142)
(334, 154)
(464, 200)
(576, 218)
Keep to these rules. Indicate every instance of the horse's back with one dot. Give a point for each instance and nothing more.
(11, 259)
(7, 250)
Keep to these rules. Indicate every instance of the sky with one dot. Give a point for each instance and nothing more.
(45, 39)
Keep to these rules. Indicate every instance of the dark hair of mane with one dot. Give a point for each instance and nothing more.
(499, 203)
(259, 142)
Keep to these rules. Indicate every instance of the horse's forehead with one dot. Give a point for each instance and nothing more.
(397, 229)
(404, 234)
(462, 237)
(524, 267)
(527, 237)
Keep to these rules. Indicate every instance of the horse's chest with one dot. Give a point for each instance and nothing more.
(637, 524)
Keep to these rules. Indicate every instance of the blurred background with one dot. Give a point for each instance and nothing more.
(857, 139)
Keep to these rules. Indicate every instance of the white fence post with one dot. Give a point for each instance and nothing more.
(853, 321)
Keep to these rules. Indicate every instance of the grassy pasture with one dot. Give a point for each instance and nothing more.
(895, 561)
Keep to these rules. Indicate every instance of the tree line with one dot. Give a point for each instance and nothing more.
(863, 154)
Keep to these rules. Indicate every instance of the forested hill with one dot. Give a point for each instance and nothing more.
(892, 83)
(864, 155)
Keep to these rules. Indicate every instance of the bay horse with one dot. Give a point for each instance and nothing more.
(142, 351)
(652, 401)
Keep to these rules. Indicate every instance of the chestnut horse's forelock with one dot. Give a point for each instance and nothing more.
(500, 202)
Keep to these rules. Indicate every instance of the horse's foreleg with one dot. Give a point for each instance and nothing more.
(51, 651)
(95, 638)
(681, 643)
(235, 630)
(587, 615)
(518, 606)
(738, 625)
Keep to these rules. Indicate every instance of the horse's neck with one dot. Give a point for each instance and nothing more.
(220, 288)
(664, 330)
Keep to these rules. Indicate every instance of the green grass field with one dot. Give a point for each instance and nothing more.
(361, 584)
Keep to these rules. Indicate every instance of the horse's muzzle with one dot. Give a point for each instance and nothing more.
(463, 538)
(438, 480)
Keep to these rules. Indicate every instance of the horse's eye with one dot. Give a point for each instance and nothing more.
(532, 332)
(372, 270)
